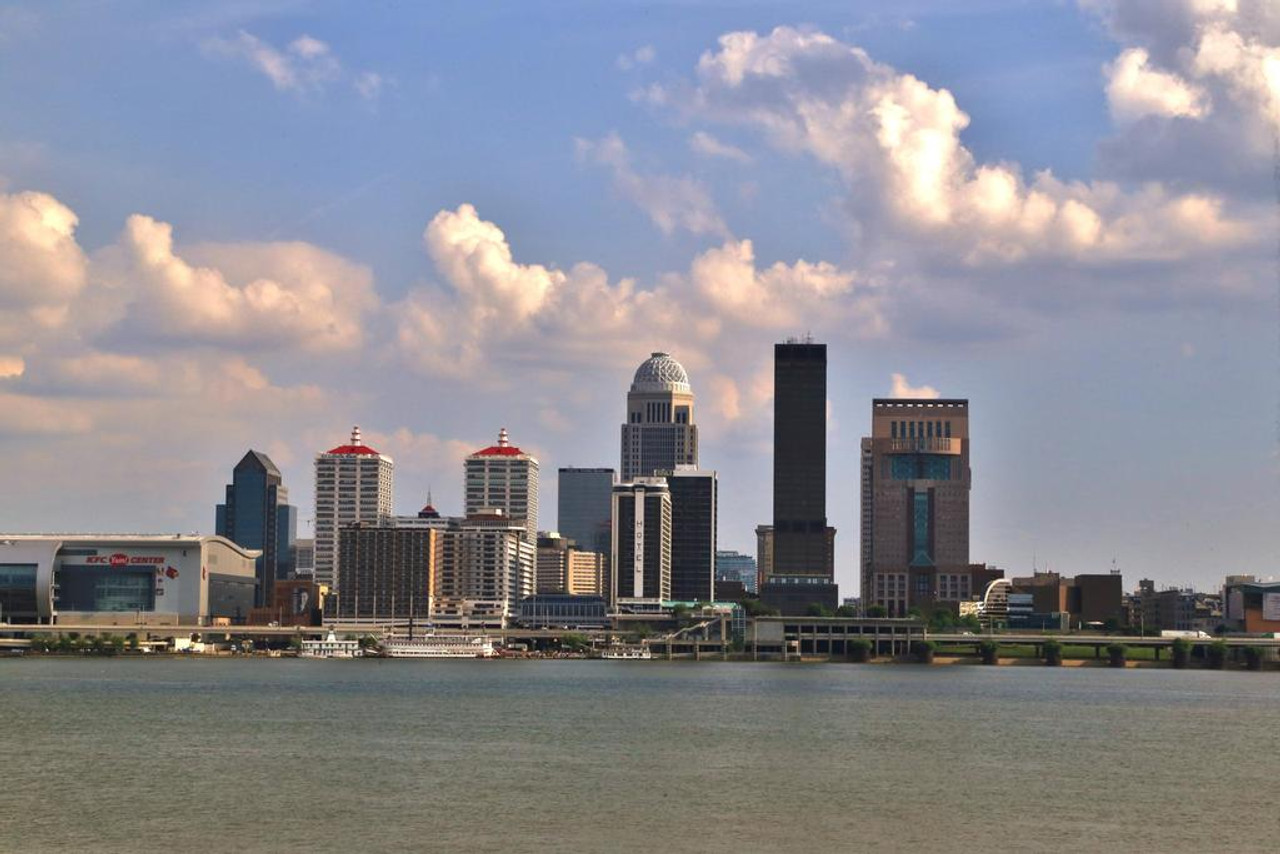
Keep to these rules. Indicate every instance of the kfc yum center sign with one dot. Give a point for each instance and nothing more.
(119, 559)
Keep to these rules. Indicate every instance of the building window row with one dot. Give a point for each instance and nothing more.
(920, 429)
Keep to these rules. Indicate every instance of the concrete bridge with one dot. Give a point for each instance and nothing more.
(1098, 642)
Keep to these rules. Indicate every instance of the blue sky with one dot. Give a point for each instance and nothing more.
(480, 216)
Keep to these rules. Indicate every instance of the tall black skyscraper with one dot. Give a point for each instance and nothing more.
(257, 515)
(693, 533)
(803, 571)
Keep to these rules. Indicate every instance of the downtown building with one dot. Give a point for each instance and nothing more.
(734, 566)
(503, 477)
(565, 569)
(694, 495)
(915, 507)
(660, 433)
(800, 544)
(387, 569)
(641, 552)
(487, 566)
(584, 508)
(257, 515)
(354, 483)
(584, 512)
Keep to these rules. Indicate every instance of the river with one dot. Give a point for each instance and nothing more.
(256, 755)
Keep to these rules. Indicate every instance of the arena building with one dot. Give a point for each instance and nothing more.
(124, 580)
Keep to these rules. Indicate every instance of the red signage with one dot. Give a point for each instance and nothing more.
(119, 560)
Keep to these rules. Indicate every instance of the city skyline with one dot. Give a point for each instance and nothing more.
(335, 222)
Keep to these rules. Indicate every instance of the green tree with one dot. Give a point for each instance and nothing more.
(1052, 652)
(860, 650)
(818, 610)
(970, 622)
(39, 644)
(1117, 652)
(756, 608)
(923, 651)
(876, 612)
(941, 619)
(990, 652)
(1253, 657)
(680, 612)
(1181, 649)
(1216, 654)
(132, 638)
(846, 611)
(295, 643)
(575, 642)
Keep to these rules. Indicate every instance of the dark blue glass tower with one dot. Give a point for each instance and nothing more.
(257, 515)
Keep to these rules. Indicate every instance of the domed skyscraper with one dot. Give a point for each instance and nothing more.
(659, 434)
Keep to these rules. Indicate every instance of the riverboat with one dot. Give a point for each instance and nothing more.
(330, 647)
(439, 646)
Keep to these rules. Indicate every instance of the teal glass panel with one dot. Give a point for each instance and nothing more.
(920, 555)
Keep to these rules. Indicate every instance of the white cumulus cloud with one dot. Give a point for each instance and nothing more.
(902, 388)
(255, 295)
(42, 266)
(897, 142)
(1134, 90)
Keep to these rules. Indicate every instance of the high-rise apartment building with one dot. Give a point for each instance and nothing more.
(487, 565)
(257, 515)
(353, 484)
(694, 493)
(585, 507)
(503, 477)
(803, 566)
(565, 568)
(641, 564)
(915, 505)
(660, 433)
(387, 572)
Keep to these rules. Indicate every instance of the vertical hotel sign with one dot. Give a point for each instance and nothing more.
(638, 544)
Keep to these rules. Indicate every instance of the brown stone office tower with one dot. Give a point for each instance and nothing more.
(803, 568)
(915, 505)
